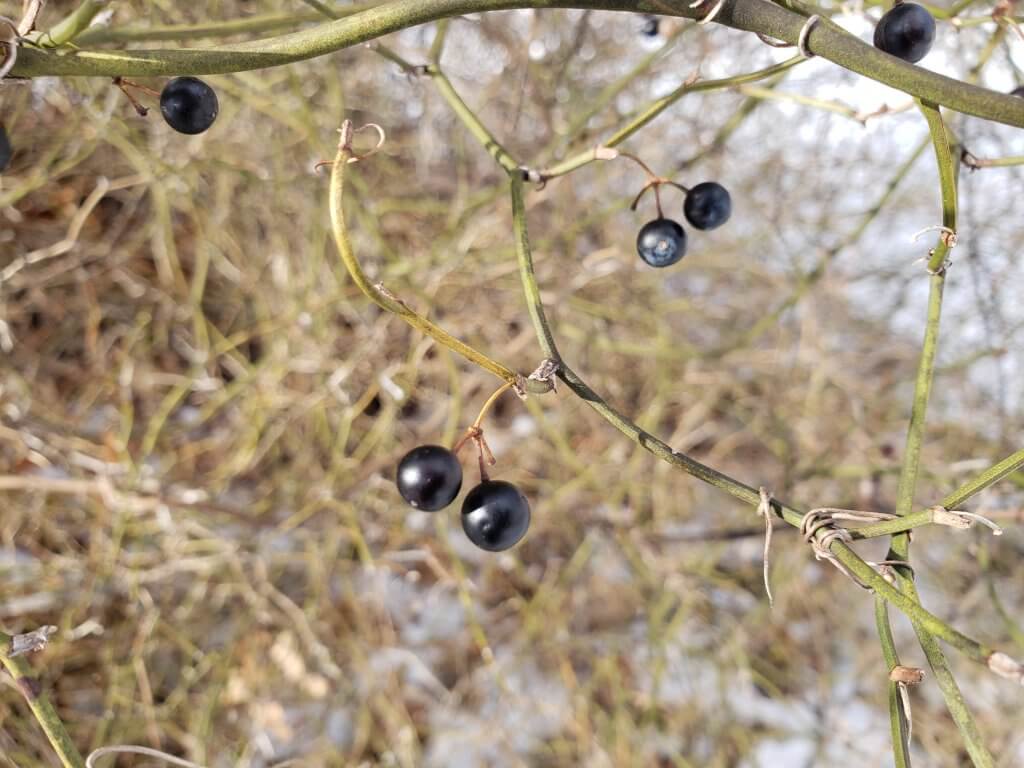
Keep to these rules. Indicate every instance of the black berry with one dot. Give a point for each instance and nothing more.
(906, 31)
(188, 105)
(429, 477)
(651, 26)
(5, 150)
(661, 243)
(495, 515)
(707, 205)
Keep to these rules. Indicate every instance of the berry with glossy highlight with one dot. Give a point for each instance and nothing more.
(188, 105)
(495, 515)
(429, 477)
(906, 32)
(661, 243)
(707, 205)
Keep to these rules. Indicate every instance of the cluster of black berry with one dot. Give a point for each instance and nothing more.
(662, 242)
(495, 514)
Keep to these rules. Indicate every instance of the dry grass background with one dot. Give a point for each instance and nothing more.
(200, 417)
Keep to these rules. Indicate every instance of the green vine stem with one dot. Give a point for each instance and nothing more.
(608, 94)
(437, 45)
(378, 294)
(900, 546)
(946, 159)
(898, 719)
(39, 702)
(827, 40)
(656, 108)
(990, 476)
(728, 127)
(266, 23)
(671, 98)
(72, 25)
(847, 556)
(469, 118)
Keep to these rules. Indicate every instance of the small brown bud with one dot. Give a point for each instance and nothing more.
(906, 675)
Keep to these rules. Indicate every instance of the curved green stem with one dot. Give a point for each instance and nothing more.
(266, 23)
(947, 161)
(42, 709)
(376, 292)
(827, 40)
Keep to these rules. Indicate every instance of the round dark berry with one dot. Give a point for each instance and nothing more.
(429, 477)
(1018, 91)
(707, 205)
(5, 150)
(651, 26)
(906, 32)
(661, 243)
(188, 105)
(495, 515)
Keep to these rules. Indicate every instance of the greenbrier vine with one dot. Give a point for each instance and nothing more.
(70, 48)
